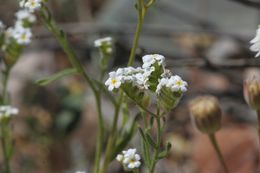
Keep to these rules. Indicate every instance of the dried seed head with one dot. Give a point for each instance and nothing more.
(206, 114)
(252, 89)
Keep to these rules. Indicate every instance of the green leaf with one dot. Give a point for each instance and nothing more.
(126, 138)
(45, 81)
(150, 140)
(164, 153)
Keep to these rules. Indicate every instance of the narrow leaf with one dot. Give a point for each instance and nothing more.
(49, 79)
(150, 140)
(164, 153)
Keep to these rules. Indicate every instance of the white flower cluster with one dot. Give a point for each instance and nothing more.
(31, 5)
(21, 31)
(140, 76)
(129, 159)
(149, 60)
(174, 83)
(7, 110)
(80, 172)
(137, 76)
(105, 43)
(255, 47)
(102, 41)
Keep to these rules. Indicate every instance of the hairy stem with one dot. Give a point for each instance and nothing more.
(62, 39)
(142, 12)
(6, 74)
(159, 138)
(112, 136)
(4, 137)
(214, 142)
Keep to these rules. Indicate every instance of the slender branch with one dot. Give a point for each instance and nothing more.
(159, 135)
(217, 149)
(142, 12)
(6, 74)
(112, 136)
(101, 129)
(4, 148)
(62, 39)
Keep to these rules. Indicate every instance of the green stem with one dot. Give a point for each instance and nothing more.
(112, 136)
(7, 168)
(136, 171)
(158, 143)
(4, 148)
(62, 39)
(5, 83)
(100, 139)
(214, 142)
(142, 12)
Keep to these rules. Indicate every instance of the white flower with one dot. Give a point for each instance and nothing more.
(114, 81)
(22, 3)
(149, 60)
(119, 157)
(22, 35)
(31, 5)
(178, 84)
(7, 111)
(175, 83)
(140, 80)
(103, 41)
(80, 172)
(255, 47)
(25, 15)
(129, 159)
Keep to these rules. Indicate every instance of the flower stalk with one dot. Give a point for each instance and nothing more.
(258, 123)
(214, 142)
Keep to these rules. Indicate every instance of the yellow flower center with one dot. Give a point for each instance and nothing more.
(114, 81)
(24, 37)
(179, 83)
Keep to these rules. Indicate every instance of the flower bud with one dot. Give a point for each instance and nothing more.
(206, 114)
(252, 89)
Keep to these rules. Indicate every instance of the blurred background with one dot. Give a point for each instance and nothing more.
(204, 41)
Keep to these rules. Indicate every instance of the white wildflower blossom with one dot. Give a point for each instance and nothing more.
(80, 172)
(178, 84)
(24, 14)
(129, 159)
(149, 60)
(141, 81)
(22, 3)
(114, 81)
(255, 47)
(103, 41)
(175, 83)
(31, 5)
(7, 111)
(22, 35)
(119, 157)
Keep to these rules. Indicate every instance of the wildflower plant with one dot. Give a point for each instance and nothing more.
(139, 84)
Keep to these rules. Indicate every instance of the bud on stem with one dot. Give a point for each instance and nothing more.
(206, 114)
